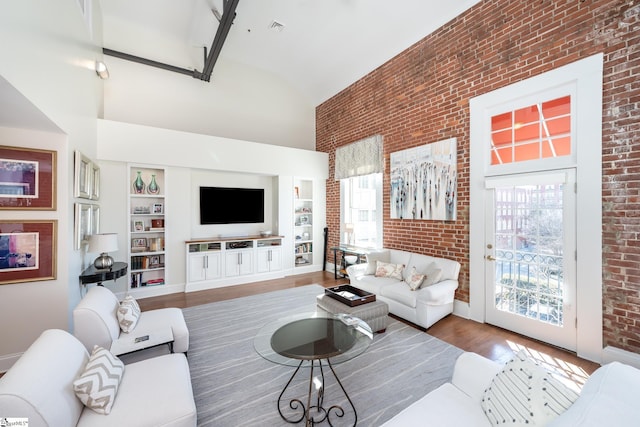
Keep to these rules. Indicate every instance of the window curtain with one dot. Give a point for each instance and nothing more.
(362, 157)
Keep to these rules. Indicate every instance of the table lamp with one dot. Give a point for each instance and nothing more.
(103, 243)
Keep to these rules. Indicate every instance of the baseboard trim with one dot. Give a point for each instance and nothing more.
(461, 309)
(615, 354)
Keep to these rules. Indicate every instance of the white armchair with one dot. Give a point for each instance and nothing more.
(96, 322)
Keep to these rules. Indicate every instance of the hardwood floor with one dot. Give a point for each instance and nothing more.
(490, 341)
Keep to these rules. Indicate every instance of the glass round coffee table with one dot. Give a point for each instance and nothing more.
(319, 339)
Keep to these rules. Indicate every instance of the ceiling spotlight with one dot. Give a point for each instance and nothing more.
(101, 70)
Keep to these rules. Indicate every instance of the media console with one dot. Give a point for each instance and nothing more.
(214, 263)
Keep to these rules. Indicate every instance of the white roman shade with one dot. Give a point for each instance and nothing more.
(362, 157)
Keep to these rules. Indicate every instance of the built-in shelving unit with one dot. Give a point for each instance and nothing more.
(303, 222)
(146, 237)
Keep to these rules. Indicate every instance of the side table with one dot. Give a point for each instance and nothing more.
(95, 275)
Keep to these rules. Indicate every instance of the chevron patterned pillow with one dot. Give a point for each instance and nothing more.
(128, 314)
(525, 394)
(98, 384)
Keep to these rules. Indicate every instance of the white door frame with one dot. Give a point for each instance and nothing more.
(585, 76)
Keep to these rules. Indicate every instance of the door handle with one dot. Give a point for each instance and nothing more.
(489, 258)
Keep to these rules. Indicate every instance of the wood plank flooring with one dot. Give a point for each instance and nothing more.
(490, 341)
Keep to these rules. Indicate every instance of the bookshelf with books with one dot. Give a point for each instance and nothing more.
(147, 212)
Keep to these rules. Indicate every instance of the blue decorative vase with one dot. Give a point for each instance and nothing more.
(153, 187)
(138, 184)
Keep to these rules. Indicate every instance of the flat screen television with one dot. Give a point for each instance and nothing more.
(223, 205)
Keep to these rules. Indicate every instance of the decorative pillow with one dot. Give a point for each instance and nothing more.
(385, 269)
(372, 259)
(524, 393)
(432, 278)
(98, 384)
(128, 314)
(414, 280)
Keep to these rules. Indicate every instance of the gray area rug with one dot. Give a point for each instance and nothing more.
(234, 386)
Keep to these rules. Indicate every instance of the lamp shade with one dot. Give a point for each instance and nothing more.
(102, 243)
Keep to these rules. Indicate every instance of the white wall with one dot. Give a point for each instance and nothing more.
(35, 35)
(191, 160)
(240, 101)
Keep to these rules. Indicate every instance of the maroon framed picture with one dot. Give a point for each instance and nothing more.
(27, 178)
(27, 250)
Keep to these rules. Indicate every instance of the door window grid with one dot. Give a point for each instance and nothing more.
(541, 130)
(529, 258)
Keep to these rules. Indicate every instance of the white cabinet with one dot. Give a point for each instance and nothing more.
(204, 266)
(269, 255)
(146, 212)
(238, 258)
(217, 263)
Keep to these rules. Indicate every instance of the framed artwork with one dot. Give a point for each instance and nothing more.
(27, 178)
(82, 223)
(27, 250)
(424, 182)
(83, 176)
(95, 182)
(157, 208)
(95, 219)
(138, 225)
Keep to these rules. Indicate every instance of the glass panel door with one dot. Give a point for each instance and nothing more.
(531, 245)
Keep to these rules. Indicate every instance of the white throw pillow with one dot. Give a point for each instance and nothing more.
(385, 269)
(432, 275)
(414, 279)
(98, 384)
(128, 314)
(372, 258)
(525, 394)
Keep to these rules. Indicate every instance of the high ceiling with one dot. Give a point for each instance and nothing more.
(321, 48)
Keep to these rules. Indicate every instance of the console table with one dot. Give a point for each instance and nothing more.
(344, 251)
(95, 275)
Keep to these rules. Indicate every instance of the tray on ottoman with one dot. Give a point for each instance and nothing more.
(350, 295)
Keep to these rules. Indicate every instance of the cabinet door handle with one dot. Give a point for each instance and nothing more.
(206, 261)
(269, 258)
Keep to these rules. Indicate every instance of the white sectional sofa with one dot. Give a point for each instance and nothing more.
(39, 386)
(608, 398)
(424, 306)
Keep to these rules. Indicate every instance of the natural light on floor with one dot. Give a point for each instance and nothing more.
(571, 375)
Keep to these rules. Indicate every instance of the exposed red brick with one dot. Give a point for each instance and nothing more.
(422, 96)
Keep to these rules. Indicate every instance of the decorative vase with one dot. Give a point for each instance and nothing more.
(138, 184)
(153, 187)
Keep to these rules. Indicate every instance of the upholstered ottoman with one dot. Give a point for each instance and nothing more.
(374, 313)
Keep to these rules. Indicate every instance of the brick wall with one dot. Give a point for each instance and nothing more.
(422, 96)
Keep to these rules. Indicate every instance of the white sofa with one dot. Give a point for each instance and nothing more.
(39, 386)
(424, 306)
(608, 398)
(96, 323)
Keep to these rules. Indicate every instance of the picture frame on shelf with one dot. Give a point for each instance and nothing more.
(82, 224)
(154, 261)
(157, 208)
(139, 244)
(27, 178)
(138, 225)
(83, 176)
(33, 254)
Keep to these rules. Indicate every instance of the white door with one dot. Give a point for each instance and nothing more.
(530, 255)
